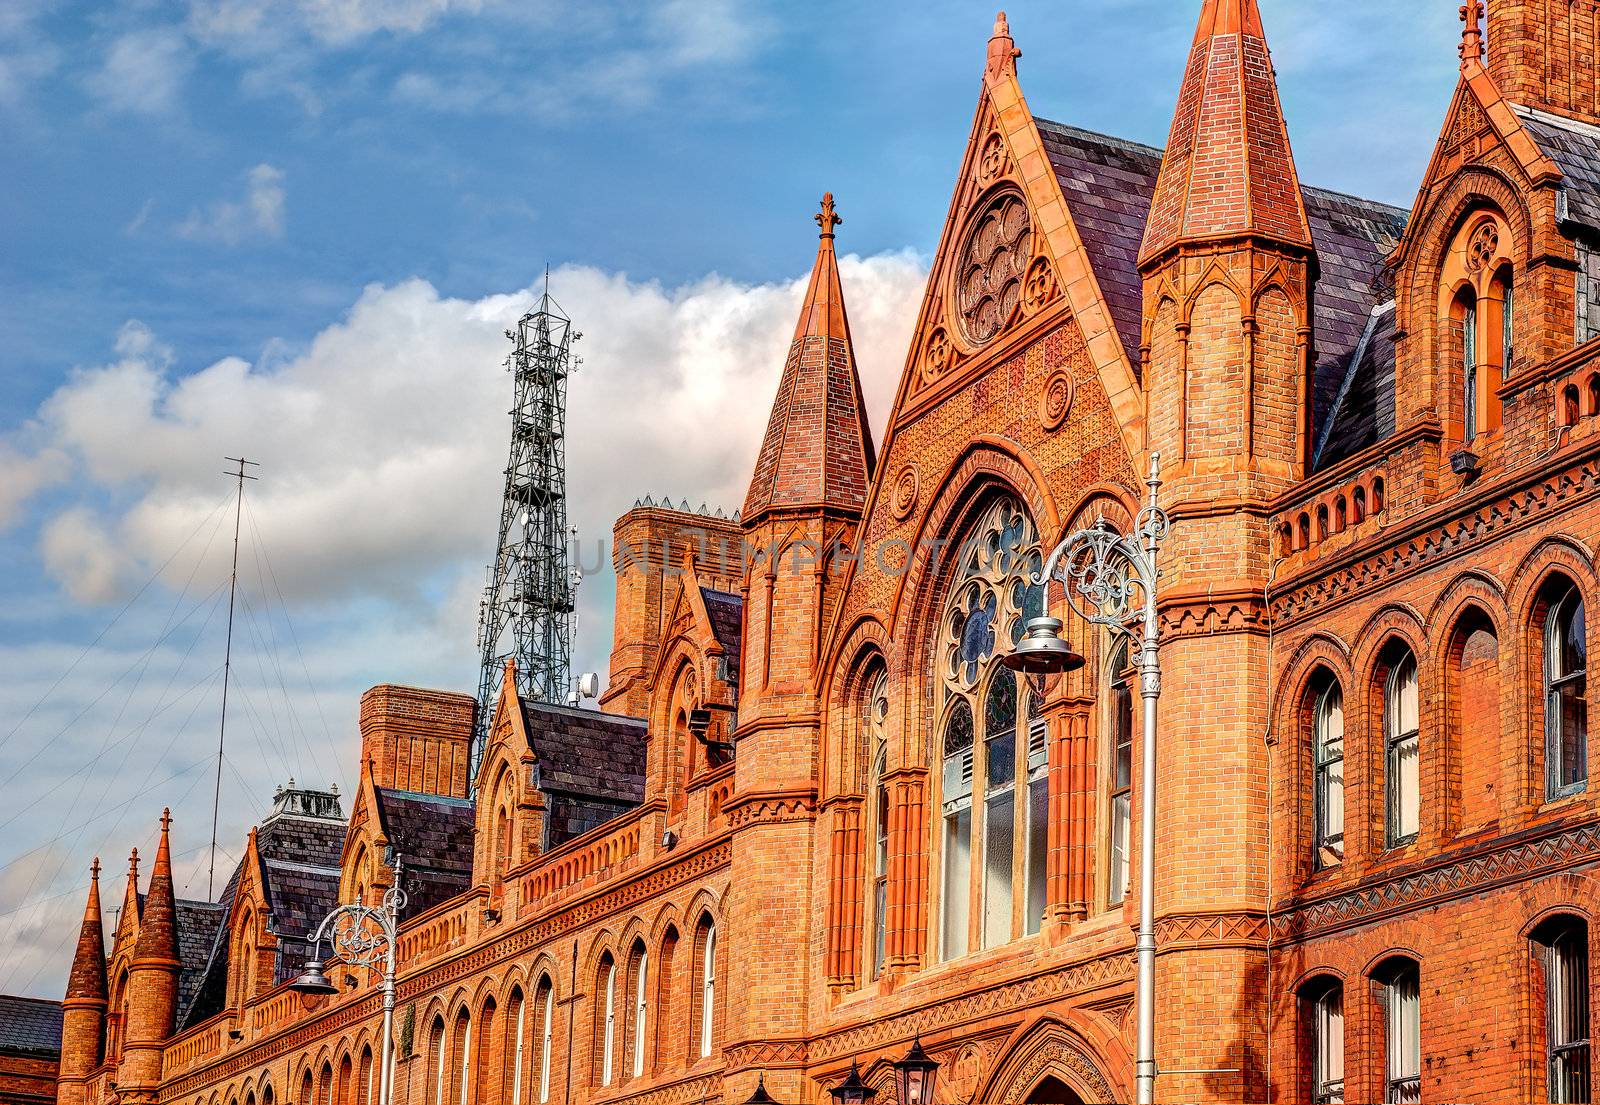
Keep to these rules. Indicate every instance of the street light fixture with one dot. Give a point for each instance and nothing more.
(1110, 579)
(915, 1075)
(852, 1091)
(363, 936)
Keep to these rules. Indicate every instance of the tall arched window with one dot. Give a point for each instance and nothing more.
(1561, 946)
(545, 1003)
(438, 1062)
(706, 972)
(1403, 748)
(607, 1018)
(1120, 809)
(1400, 984)
(639, 1014)
(346, 1083)
(991, 597)
(1469, 363)
(876, 724)
(1322, 1002)
(1566, 709)
(667, 1005)
(306, 1092)
(515, 1047)
(1327, 750)
(365, 1082)
(325, 1085)
(1038, 796)
(477, 1087)
(460, 1057)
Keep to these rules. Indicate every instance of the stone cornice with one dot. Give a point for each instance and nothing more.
(770, 806)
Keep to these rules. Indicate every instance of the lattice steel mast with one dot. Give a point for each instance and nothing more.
(527, 609)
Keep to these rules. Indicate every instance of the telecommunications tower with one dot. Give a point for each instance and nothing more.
(527, 610)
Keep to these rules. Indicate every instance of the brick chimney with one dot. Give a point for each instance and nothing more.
(417, 740)
(1542, 54)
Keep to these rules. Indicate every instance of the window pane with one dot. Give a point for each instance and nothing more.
(1574, 734)
(1566, 959)
(1329, 742)
(1403, 1038)
(1407, 807)
(1122, 703)
(1038, 850)
(1469, 370)
(999, 832)
(957, 881)
(1121, 816)
(1001, 754)
(1328, 1048)
(1406, 697)
(880, 923)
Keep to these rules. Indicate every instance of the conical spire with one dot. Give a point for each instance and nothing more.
(128, 915)
(87, 982)
(1228, 171)
(158, 925)
(818, 447)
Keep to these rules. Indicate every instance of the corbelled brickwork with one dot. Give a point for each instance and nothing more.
(832, 824)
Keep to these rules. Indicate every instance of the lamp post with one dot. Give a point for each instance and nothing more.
(915, 1075)
(1108, 577)
(363, 936)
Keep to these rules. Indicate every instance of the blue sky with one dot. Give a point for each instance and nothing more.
(297, 227)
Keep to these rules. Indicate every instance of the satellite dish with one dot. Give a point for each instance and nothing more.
(589, 684)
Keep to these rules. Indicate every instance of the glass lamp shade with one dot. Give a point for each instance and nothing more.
(915, 1075)
(852, 1091)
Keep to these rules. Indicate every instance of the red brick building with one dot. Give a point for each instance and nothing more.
(30, 1045)
(820, 821)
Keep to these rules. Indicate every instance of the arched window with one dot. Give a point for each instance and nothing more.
(666, 1009)
(460, 1058)
(346, 1084)
(1473, 721)
(1502, 297)
(325, 1085)
(1323, 528)
(366, 1084)
(478, 1085)
(706, 976)
(438, 1061)
(1305, 531)
(1327, 757)
(991, 597)
(1322, 1007)
(638, 1014)
(1358, 505)
(876, 724)
(1341, 515)
(1400, 989)
(307, 1094)
(1566, 709)
(1467, 304)
(1561, 950)
(606, 1022)
(1402, 750)
(514, 1048)
(545, 1003)
(1571, 411)
(1120, 812)
(1377, 495)
(1594, 393)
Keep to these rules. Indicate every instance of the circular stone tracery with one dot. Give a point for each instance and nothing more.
(989, 284)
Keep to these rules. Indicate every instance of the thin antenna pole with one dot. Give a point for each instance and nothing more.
(227, 663)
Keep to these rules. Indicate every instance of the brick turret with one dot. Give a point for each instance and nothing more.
(1228, 265)
(1542, 55)
(84, 1010)
(152, 982)
(805, 499)
(127, 933)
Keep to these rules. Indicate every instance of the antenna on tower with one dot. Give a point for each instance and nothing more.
(527, 609)
(241, 475)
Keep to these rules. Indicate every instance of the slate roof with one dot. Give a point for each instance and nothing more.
(198, 923)
(727, 625)
(1108, 183)
(1575, 148)
(585, 752)
(30, 1026)
(433, 835)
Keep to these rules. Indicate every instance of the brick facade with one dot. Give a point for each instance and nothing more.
(831, 825)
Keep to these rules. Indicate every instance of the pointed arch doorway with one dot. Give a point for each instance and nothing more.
(1052, 1091)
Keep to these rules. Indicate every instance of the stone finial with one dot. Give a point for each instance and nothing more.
(827, 218)
(1003, 52)
(1472, 31)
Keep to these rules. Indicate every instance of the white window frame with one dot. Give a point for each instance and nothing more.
(640, 1013)
(708, 989)
(1398, 735)
(607, 1049)
(1402, 1036)
(1327, 846)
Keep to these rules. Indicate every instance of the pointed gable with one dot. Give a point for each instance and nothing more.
(817, 452)
(1228, 170)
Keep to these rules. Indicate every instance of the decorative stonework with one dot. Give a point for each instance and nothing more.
(767, 1055)
(1039, 287)
(967, 1068)
(1057, 1054)
(1411, 892)
(906, 488)
(938, 355)
(1483, 247)
(992, 160)
(1056, 401)
(989, 279)
(1384, 567)
(776, 808)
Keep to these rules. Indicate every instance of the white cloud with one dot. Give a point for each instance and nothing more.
(332, 22)
(144, 71)
(381, 445)
(258, 213)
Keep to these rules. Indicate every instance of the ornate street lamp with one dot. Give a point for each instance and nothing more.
(1110, 579)
(363, 936)
(852, 1091)
(761, 1096)
(915, 1075)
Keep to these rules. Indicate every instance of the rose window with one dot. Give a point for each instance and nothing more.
(989, 284)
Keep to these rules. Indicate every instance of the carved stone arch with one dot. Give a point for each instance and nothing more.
(636, 931)
(1214, 276)
(1560, 553)
(460, 999)
(845, 766)
(703, 904)
(1318, 968)
(1278, 280)
(1473, 189)
(1472, 586)
(488, 987)
(1093, 1064)
(1392, 621)
(601, 943)
(1391, 951)
(1166, 298)
(1321, 649)
(544, 966)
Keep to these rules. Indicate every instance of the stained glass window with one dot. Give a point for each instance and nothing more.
(993, 830)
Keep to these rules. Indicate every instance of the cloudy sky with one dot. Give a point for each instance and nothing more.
(296, 230)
